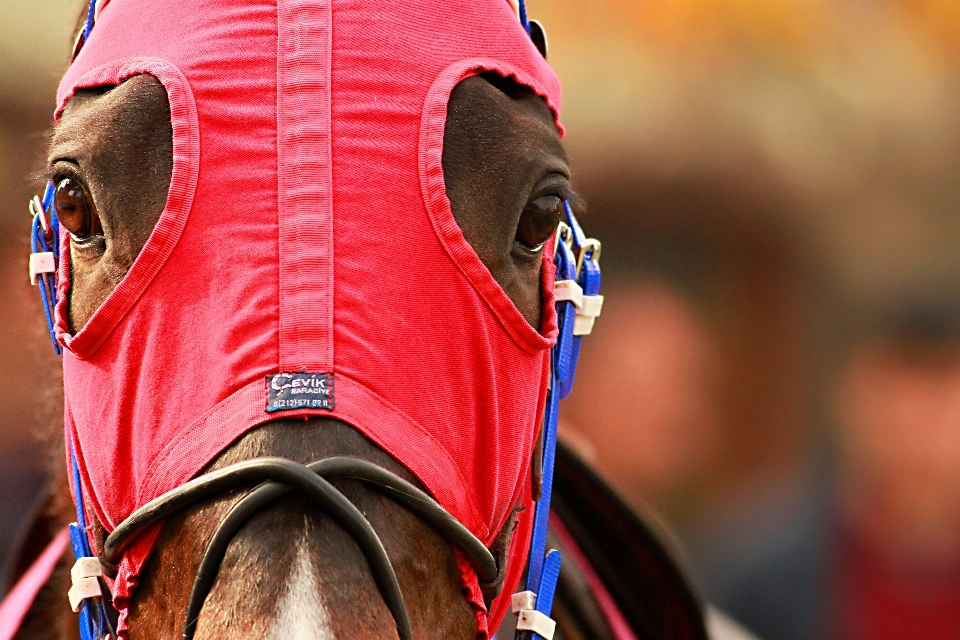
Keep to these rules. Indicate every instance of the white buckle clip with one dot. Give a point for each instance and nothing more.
(522, 601)
(568, 290)
(588, 307)
(587, 314)
(86, 584)
(528, 618)
(41, 263)
(538, 622)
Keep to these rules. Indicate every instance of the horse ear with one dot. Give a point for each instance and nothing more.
(539, 36)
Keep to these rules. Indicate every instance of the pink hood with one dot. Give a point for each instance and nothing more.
(307, 231)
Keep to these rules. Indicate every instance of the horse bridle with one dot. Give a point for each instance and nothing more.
(269, 478)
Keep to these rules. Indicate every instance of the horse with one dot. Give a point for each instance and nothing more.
(292, 569)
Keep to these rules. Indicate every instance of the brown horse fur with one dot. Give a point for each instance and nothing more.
(501, 151)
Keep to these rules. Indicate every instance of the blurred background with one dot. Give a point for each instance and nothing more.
(777, 369)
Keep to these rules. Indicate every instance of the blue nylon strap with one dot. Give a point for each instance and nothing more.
(543, 571)
(523, 16)
(91, 11)
(548, 582)
(560, 370)
(542, 513)
(77, 499)
(45, 281)
(93, 619)
(48, 193)
(564, 356)
(567, 270)
(41, 242)
(579, 237)
(588, 278)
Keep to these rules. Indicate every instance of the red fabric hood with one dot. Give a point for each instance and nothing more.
(342, 257)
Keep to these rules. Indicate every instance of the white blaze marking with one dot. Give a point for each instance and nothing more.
(302, 615)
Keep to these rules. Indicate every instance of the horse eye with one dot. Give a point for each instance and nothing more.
(539, 221)
(74, 210)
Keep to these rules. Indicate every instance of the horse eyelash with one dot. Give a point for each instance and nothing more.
(555, 185)
(59, 169)
(44, 175)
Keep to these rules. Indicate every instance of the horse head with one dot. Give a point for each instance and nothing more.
(349, 212)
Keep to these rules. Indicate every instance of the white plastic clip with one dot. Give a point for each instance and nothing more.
(568, 290)
(528, 618)
(523, 600)
(41, 263)
(538, 622)
(587, 313)
(84, 574)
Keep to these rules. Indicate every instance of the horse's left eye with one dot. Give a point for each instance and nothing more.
(74, 210)
(539, 221)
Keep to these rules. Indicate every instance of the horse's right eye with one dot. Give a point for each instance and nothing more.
(74, 210)
(539, 221)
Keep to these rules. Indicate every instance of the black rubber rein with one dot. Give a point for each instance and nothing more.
(277, 476)
(346, 467)
(290, 473)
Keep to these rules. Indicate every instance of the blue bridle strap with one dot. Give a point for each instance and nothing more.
(523, 15)
(45, 239)
(573, 250)
(93, 618)
(88, 25)
(95, 623)
(91, 14)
